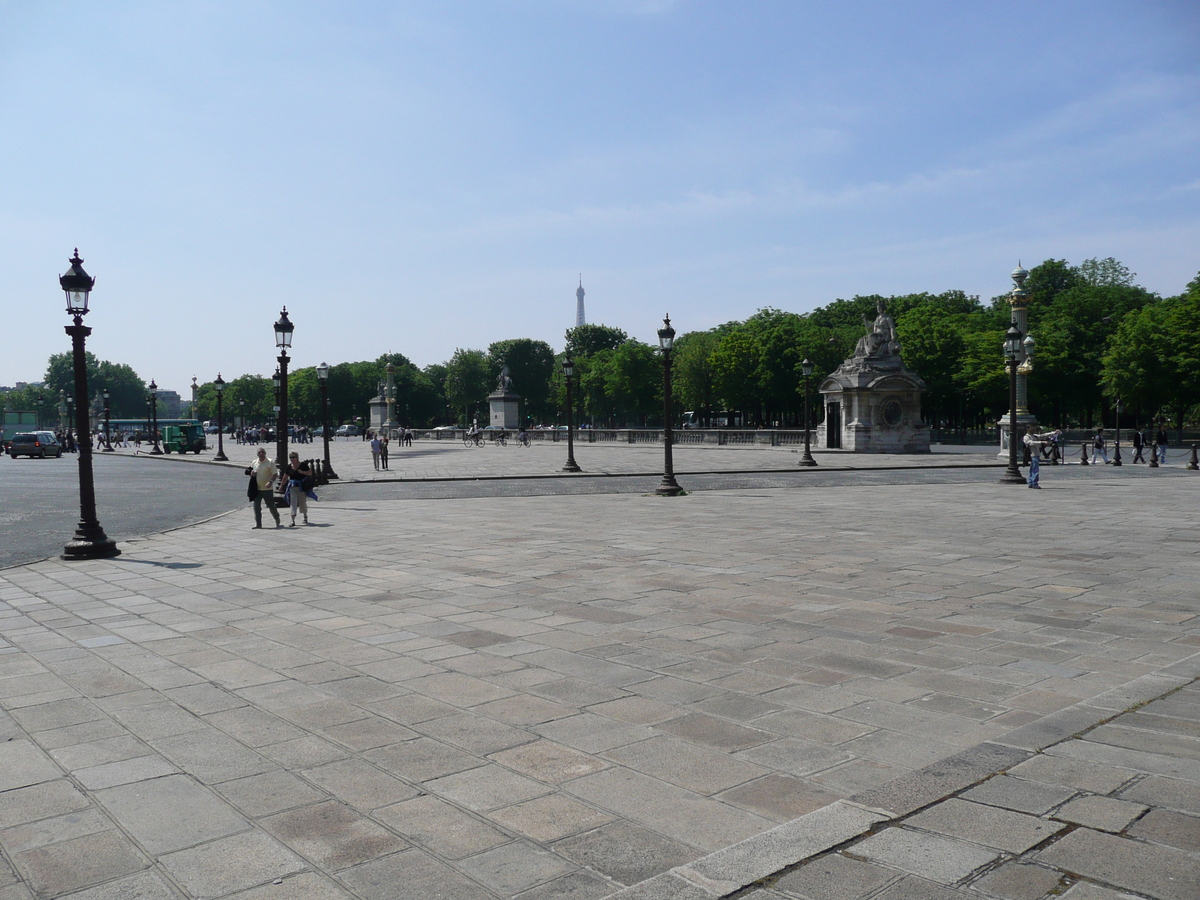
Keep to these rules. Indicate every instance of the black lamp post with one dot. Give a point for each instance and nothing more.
(107, 424)
(807, 458)
(323, 381)
(155, 450)
(90, 541)
(1012, 354)
(219, 384)
(242, 409)
(569, 374)
(41, 401)
(668, 487)
(283, 340)
(1117, 443)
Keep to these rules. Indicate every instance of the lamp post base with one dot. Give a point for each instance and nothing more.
(220, 457)
(90, 543)
(1012, 477)
(807, 459)
(669, 487)
(571, 466)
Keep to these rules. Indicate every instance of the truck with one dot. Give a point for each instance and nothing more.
(17, 421)
(185, 438)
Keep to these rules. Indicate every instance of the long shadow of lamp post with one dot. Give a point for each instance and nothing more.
(568, 369)
(668, 487)
(323, 381)
(90, 541)
(219, 384)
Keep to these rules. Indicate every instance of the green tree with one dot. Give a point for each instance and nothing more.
(586, 340)
(531, 367)
(932, 344)
(468, 382)
(693, 380)
(632, 379)
(735, 364)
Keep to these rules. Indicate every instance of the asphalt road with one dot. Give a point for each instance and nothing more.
(39, 500)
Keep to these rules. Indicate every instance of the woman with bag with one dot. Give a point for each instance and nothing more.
(299, 486)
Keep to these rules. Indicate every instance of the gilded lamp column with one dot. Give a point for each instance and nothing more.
(1018, 299)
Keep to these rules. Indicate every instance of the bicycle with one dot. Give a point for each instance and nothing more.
(473, 440)
(523, 440)
(500, 440)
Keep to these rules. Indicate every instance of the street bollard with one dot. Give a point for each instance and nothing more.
(1055, 456)
(1083, 455)
(1153, 464)
(1193, 463)
(1117, 454)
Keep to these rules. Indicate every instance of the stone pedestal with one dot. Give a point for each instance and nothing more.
(377, 413)
(505, 407)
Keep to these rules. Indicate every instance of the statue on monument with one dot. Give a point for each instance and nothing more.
(880, 340)
(504, 383)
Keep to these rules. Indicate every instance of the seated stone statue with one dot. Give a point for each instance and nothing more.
(880, 339)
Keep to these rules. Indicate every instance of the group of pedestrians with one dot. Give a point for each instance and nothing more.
(298, 479)
(381, 442)
(1039, 445)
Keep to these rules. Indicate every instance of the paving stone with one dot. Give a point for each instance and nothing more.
(332, 835)
(422, 759)
(441, 827)
(124, 771)
(550, 818)
(411, 876)
(780, 797)
(1000, 829)
(23, 763)
(39, 801)
(1171, 828)
(170, 813)
(912, 888)
(140, 886)
(230, 864)
(1143, 868)
(1101, 813)
(549, 762)
(698, 769)
(1016, 793)
(60, 868)
(515, 867)
(1171, 793)
(54, 830)
(934, 857)
(1019, 881)
(714, 732)
(487, 787)
(835, 877)
(1087, 891)
(269, 793)
(1071, 773)
(475, 733)
(359, 784)
(576, 886)
(305, 886)
(625, 852)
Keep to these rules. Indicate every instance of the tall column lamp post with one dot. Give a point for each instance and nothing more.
(90, 541)
(219, 384)
(668, 487)
(107, 423)
(568, 370)
(807, 458)
(1012, 356)
(323, 381)
(283, 340)
(155, 450)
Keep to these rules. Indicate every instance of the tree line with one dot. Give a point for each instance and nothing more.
(1099, 336)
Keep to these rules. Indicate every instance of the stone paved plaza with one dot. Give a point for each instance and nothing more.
(808, 691)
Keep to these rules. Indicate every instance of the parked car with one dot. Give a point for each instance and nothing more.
(347, 431)
(35, 443)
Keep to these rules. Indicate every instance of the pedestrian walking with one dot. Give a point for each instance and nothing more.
(299, 486)
(1160, 441)
(1139, 442)
(262, 471)
(375, 449)
(1034, 444)
(407, 437)
(1098, 447)
(383, 451)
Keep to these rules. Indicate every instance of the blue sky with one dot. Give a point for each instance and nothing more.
(421, 176)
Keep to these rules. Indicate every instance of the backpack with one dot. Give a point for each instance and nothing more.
(1099, 443)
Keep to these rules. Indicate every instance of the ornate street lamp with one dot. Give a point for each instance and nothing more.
(1012, 356)
(283, 340)
(153, 398)
(90, 541)
(323, 381)
(107, 423)
(1117, 443)
(668, 487)
(219, 384)
(568, 369)
(807, 458)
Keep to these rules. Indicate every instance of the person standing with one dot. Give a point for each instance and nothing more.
(375, 450)
(264, 474)
(383, 452)
(298, 474)
(1160, 441)
(1139, 442)
(1033, 445)
(1098, 448)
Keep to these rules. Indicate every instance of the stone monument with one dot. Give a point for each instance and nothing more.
(377, 408)
(505, 403)
(872, 402)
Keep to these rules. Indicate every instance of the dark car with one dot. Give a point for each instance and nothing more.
(35, 443)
